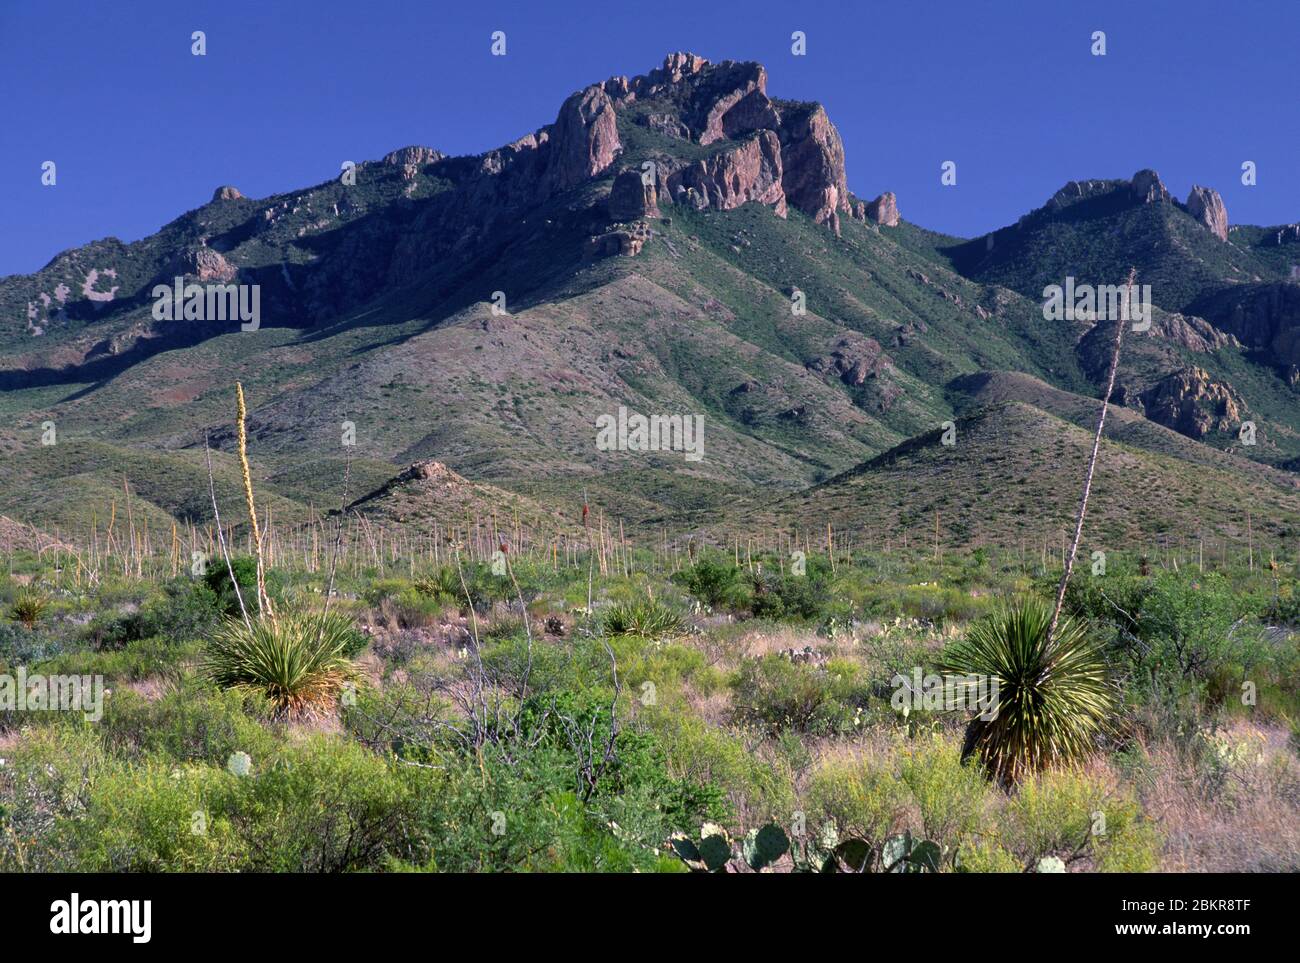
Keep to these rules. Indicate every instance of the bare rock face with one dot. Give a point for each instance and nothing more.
(631, 198)
(812, 160)
(412, 160)
(584, 140)
(1193, 404)
(884, 210)
(670, 125)
(429, 470)
(203, 264)
(742, 109)
(751, 171)
(1189, 331)
(1147, 188)
(226, 193)
(620, 243)
(1206, 206)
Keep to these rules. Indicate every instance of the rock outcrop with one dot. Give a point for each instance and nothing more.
(812, 160)
(883, 210)
(1193, 404)
(620, 243)
(752, 171)
(1206, 206)
(1263, 316)
(1147, 188)
(227, 193)
(584, 140)
(412, 160)
(632, 197)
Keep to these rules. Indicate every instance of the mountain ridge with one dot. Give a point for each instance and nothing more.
(676, 241)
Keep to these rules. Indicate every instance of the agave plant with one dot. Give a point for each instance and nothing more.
(1052, 696)
(298, 661)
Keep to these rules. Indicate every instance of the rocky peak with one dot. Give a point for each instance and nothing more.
(227, 193)
(1147, 188)
(1206, 206)
(412, 159)
(812, 155)
(584, 140)
(883, 210)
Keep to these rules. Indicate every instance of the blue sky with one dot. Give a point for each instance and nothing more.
(141, 130)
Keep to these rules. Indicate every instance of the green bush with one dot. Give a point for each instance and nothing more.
(777, 693)
(714, 581)
(217, 579)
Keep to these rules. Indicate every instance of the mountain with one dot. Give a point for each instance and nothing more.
(678, 244)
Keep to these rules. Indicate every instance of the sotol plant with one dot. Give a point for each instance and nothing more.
(28, 607)
(1053, 699)
(298, 663)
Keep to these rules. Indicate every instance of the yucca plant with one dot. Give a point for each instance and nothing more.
(28, 607)
(645, 617)
(1053, 698)
(442, 586)
(298, 663)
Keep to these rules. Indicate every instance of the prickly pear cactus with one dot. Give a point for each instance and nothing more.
(763, 847)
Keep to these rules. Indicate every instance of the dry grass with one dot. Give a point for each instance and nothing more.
(1242, 816)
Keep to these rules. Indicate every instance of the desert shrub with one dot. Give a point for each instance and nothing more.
(1194, 628)
(298, 662)
(777, 693)
(985, 856)
(1074, 815)
(714, 581)
(950, 796)
(322, 806)
(555, 800)
(22, 646)
(645, 617)
(217, 579)
(136, 661)
(668, 666)
(756, 789)
(861, 796)
(113, 631)
(188, 724)
(187, 611)
(1053, 699)
(325, 806)
(792, 597)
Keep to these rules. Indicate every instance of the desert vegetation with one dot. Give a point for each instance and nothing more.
(715, 711)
